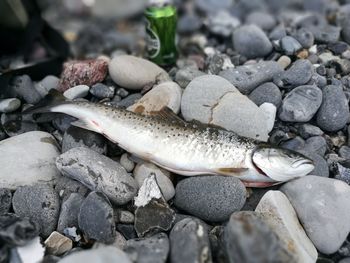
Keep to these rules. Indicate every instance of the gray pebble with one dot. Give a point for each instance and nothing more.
(189, 242)
(153, 249)
(222, 23)
(76, 92)
(96, 218)
(186, 75)
(5, 200)
(295, 144)
(325, 34)
(298, 74)
(211, 198)
(125, 161)
(17, 127)
(247, 238)
(9, 105)
(342, 171)
(209, 6)
(334, 111)
(129, 100)
(301, 104)
(251, 42)
(189, 23)
(65, 186)
(69, 212)
(267, 92)
(321, 165)
(124, 216)
(23, 88)
(40, 203)
(316, 144)
(78, 137)
(98, 172)
(101, 91)
(308, 130)
(344, 152)
(290, 45)
(278, 32)
(246, 78)
(261, 19)
(304, 37)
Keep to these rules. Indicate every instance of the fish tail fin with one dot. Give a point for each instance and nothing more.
(52, 99)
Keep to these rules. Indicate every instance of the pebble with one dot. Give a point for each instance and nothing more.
(316, 144)
(57, 244)
(40, 203)
(270, 113)
(189, 242)
(97, 172)
(223, 106)
(304, 37)
(266, 93)
(222, 23)
(96, 218)
(289, 45)
(284, 61)
(76, 92)
(103, 254)
(125, 161)
(251, 42)
(124, 216)
(23, 88)
(38, 151)
(223, 196)
(209, 6)
(150, 204)
(153, 249)
(298, 74)
(78, 137)
(189, 23)
(83, 72)
(5, 200)
(261, 19)
(145, 73)
(102, 91)
(321, 205)
(338, 47)
(278, 32)
(69, 212)
(144, 170)
(334, 111)
(65, 186)
(49, 82)
(166, 94)
(301, 104)
(185, 75)
(296, 144)
(127, 230)
(344, 152)
(9, 105)
(325, 34)
(17, 127)
(247, 238)
(342, 171)
(307, 130)
(278, 213)
(248, 77)
(321, 166)
(129, 100)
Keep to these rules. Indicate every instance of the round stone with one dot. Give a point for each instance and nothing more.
(267, 92)
(9, 105)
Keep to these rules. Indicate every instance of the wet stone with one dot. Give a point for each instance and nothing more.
(153, 249)
(96, 218)
(189, 242)
(5, 200)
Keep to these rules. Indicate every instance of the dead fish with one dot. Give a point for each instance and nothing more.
(184, 148)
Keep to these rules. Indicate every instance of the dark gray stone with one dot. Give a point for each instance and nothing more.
(65, 186)
(23, 88)
(308, 130)
(316, 144)
(96, 218)
(251, 42)
(153, 249)
(267, 92)
(210, 6)
(222, 23)
(186, 75)
(321, 165)
(17, 127)
(246, 78)
(322, 206)
(129, 100)
(342, 171)
(290, 45)
(325, 34)
(78, 137)
(101, 91)
(62, 122)
(298, 74)
(5, 200)
(189, 242)
(40, 203)
(344, 152)
(248, 238)
(278, 32)
(261, 19)
(338, 47)
(301, 104)
(127, 230)
(304, 37)
(211, 198)
(69, 212)
(334, 111)
(99, 173)
(295, 144)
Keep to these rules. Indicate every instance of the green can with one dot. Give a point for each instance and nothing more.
(161, 32)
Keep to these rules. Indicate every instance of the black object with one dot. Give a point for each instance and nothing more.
(19, 36)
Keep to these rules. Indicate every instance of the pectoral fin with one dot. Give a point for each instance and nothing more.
(231, 171)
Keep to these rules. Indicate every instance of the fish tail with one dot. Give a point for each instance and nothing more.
(52, 99)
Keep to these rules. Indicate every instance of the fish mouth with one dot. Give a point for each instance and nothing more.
(281, 164)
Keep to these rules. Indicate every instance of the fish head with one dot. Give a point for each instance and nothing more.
(281, 164)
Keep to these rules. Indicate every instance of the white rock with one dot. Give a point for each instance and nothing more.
(9, 105)
(103, 254)
(79, 91)
(166, 94)
(149, 190)
(143, 170)
(46, 84)
(128, 164)
(135, 73)
(280, 215)
(270, 111)
(58, 244)
(27, 159)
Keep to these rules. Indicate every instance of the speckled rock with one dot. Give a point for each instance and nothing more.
(267, 92)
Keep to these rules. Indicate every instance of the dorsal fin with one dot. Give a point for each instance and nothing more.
(167, 114)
